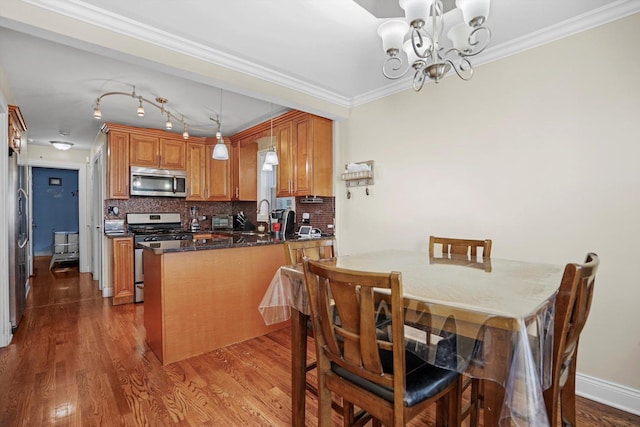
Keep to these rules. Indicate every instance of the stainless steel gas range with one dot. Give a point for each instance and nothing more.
(152, 227)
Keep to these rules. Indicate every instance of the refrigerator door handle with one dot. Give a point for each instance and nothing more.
(24, 238)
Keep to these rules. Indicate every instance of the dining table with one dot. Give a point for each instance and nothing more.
(490, 319)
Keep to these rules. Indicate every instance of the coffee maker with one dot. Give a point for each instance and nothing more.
(286, 218)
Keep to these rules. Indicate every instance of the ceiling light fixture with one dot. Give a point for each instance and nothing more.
(424, 24)
(62, 145)
(271, 158)
(220, 151)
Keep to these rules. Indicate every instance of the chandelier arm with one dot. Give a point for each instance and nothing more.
(148, 101)
(399, 61)
(418, 45)
(418, 80)
(475, 43)
(464, 69)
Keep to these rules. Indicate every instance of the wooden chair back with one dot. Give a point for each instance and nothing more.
(350, 340)
(460, 247)
(314, 249)
(572, 306)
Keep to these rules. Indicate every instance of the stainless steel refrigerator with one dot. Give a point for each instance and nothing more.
(18, 239)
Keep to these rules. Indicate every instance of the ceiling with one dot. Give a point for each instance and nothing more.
(262, 57)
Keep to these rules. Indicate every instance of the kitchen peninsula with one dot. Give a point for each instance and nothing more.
(204, 294)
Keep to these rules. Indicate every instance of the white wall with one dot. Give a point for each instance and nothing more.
(539, 152)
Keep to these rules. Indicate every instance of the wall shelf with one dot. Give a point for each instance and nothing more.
(359, 178)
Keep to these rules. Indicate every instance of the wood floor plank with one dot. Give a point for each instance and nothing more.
(76, 360)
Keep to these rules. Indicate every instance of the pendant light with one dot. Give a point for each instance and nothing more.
(220, 151)
(271, 157)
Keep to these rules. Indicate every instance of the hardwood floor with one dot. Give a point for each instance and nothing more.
(76, 360)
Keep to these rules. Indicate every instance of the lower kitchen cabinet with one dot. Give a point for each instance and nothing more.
(122, 273)
(198, 301)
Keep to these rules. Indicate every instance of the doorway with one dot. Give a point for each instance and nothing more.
(55, 210)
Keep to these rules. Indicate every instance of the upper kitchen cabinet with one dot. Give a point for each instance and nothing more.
(117, 162)
(156, 152)
(244, 159)
(304, 146)
(218, 174)
(17, 127)
(196, 171)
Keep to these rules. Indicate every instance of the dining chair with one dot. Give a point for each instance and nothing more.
(468, 253)
(461, 252)
(370, 370)
(295, 251)
(571, 310)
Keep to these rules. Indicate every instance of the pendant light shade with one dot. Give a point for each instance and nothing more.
(271, 158)
(220, 151)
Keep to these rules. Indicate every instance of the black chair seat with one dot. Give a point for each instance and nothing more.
(422, 382)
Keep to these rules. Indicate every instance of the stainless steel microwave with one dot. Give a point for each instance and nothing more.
(158, 182)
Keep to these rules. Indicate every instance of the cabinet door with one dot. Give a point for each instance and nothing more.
(302, 157)
(17, 128)
(118, 165)
(284, 178)
(234, 158)
(144, 151)
(247, 170)
(196, 176)
(218, 177)
(122, 270)
(172, 154)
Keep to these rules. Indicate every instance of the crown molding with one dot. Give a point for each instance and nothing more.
(120, 24)
(92, 15)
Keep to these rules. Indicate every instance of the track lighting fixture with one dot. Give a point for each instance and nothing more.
(220, 151)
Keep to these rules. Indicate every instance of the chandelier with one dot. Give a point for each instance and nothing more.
(425, 51)
(164, 112)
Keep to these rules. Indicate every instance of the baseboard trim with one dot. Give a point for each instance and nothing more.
(615, 395)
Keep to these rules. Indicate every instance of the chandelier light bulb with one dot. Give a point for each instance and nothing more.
(185, 134)
(168, 125)
(97, 114)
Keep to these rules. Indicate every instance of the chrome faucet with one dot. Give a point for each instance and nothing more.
(268, 213)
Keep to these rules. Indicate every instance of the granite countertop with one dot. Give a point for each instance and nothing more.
(224, 240)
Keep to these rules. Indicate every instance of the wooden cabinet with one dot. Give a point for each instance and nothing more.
(196, 171)
(244, 173)
(117, 165)
(218, 175)
(17, 128)
(208, 179)
(122, 273)
(304, 147)
(154, 152)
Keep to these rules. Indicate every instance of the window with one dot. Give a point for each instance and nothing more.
(266, 188)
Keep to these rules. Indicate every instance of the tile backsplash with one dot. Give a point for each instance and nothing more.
(321, 214)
